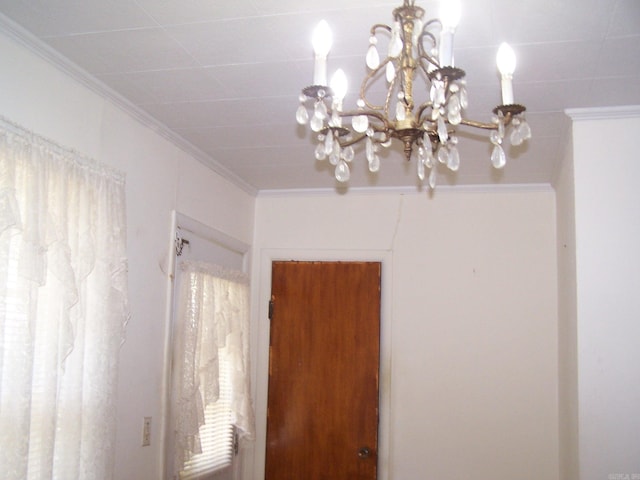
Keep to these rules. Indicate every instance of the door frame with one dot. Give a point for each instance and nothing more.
(254, 465)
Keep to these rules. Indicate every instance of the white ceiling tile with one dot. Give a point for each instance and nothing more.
(619, 57)
(610, 92)
(176, 12)
(550, 20)
(254, 80)
(123, 51)
(626, 19)
(166, 86)
(68, 17)
(228, 42)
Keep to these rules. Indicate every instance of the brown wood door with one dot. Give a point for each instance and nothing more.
(322, 416)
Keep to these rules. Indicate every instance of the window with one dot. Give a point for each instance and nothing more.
(63, 308)
(211, 375)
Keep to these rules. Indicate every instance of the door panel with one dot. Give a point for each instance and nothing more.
(322, 417)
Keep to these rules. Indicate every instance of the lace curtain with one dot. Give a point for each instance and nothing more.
(63, 307)
(213, 313)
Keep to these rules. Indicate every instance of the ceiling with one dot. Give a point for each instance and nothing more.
(224, 76)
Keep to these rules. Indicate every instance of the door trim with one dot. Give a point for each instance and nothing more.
(254, 465)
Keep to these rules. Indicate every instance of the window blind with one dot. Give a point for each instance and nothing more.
(218, 433)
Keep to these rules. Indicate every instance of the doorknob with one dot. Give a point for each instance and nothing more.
(364, 452)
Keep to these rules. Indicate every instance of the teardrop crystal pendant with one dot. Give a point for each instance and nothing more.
(525, 130)
(432, 178)
(464, 98)
(302, 116)
(374, 164)
(335, 155)
(320, 153)
(443, 154)
(328, 143)
(453, 162)
(495, 138)
(348, 154)
(369, 149)
(373, 58)
(316, 123)
(360, 123)
(390, 72)
(395, 45)
(400, 111)
(453, 110)
(498, 157)
(320, 110)
(342, 172)
(516, 137)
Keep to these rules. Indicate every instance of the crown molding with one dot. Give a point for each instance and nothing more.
(440, 189)
(37, 46)
(603, 113)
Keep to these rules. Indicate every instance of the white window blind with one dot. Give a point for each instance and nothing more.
(211, 360)
(217, 435)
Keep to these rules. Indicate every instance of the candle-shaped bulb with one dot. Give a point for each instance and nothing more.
(321, 45)
(450, 11)
(506, 60)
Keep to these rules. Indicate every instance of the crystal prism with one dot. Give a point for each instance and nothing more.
(453, 162)
(302, 116)
(494, 136)
(400, 112)
(373, 58)
(498, 157)
(342, 172)
(420, 164)
(525, 130)
(360, 123)
(442, 130)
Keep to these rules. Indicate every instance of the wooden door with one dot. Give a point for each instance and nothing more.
(322, 416)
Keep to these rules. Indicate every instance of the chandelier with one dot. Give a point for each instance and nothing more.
(418, 51)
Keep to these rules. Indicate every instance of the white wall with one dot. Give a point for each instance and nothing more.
(607, 218)
(567, 317)
(160, 178)
(471, 330)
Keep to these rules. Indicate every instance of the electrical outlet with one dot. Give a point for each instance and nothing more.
(146, 432)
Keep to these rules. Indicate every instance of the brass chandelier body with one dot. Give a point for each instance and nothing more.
(427, 130)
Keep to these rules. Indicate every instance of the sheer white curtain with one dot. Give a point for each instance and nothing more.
(63, 309)
(213, 321)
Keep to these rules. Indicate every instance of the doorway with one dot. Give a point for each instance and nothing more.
(324, 353)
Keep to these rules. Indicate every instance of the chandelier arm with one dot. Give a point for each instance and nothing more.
(380, 26)
(365, 83)
(369, 113)
(476, 124)
(508, 117)
(421, 110)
